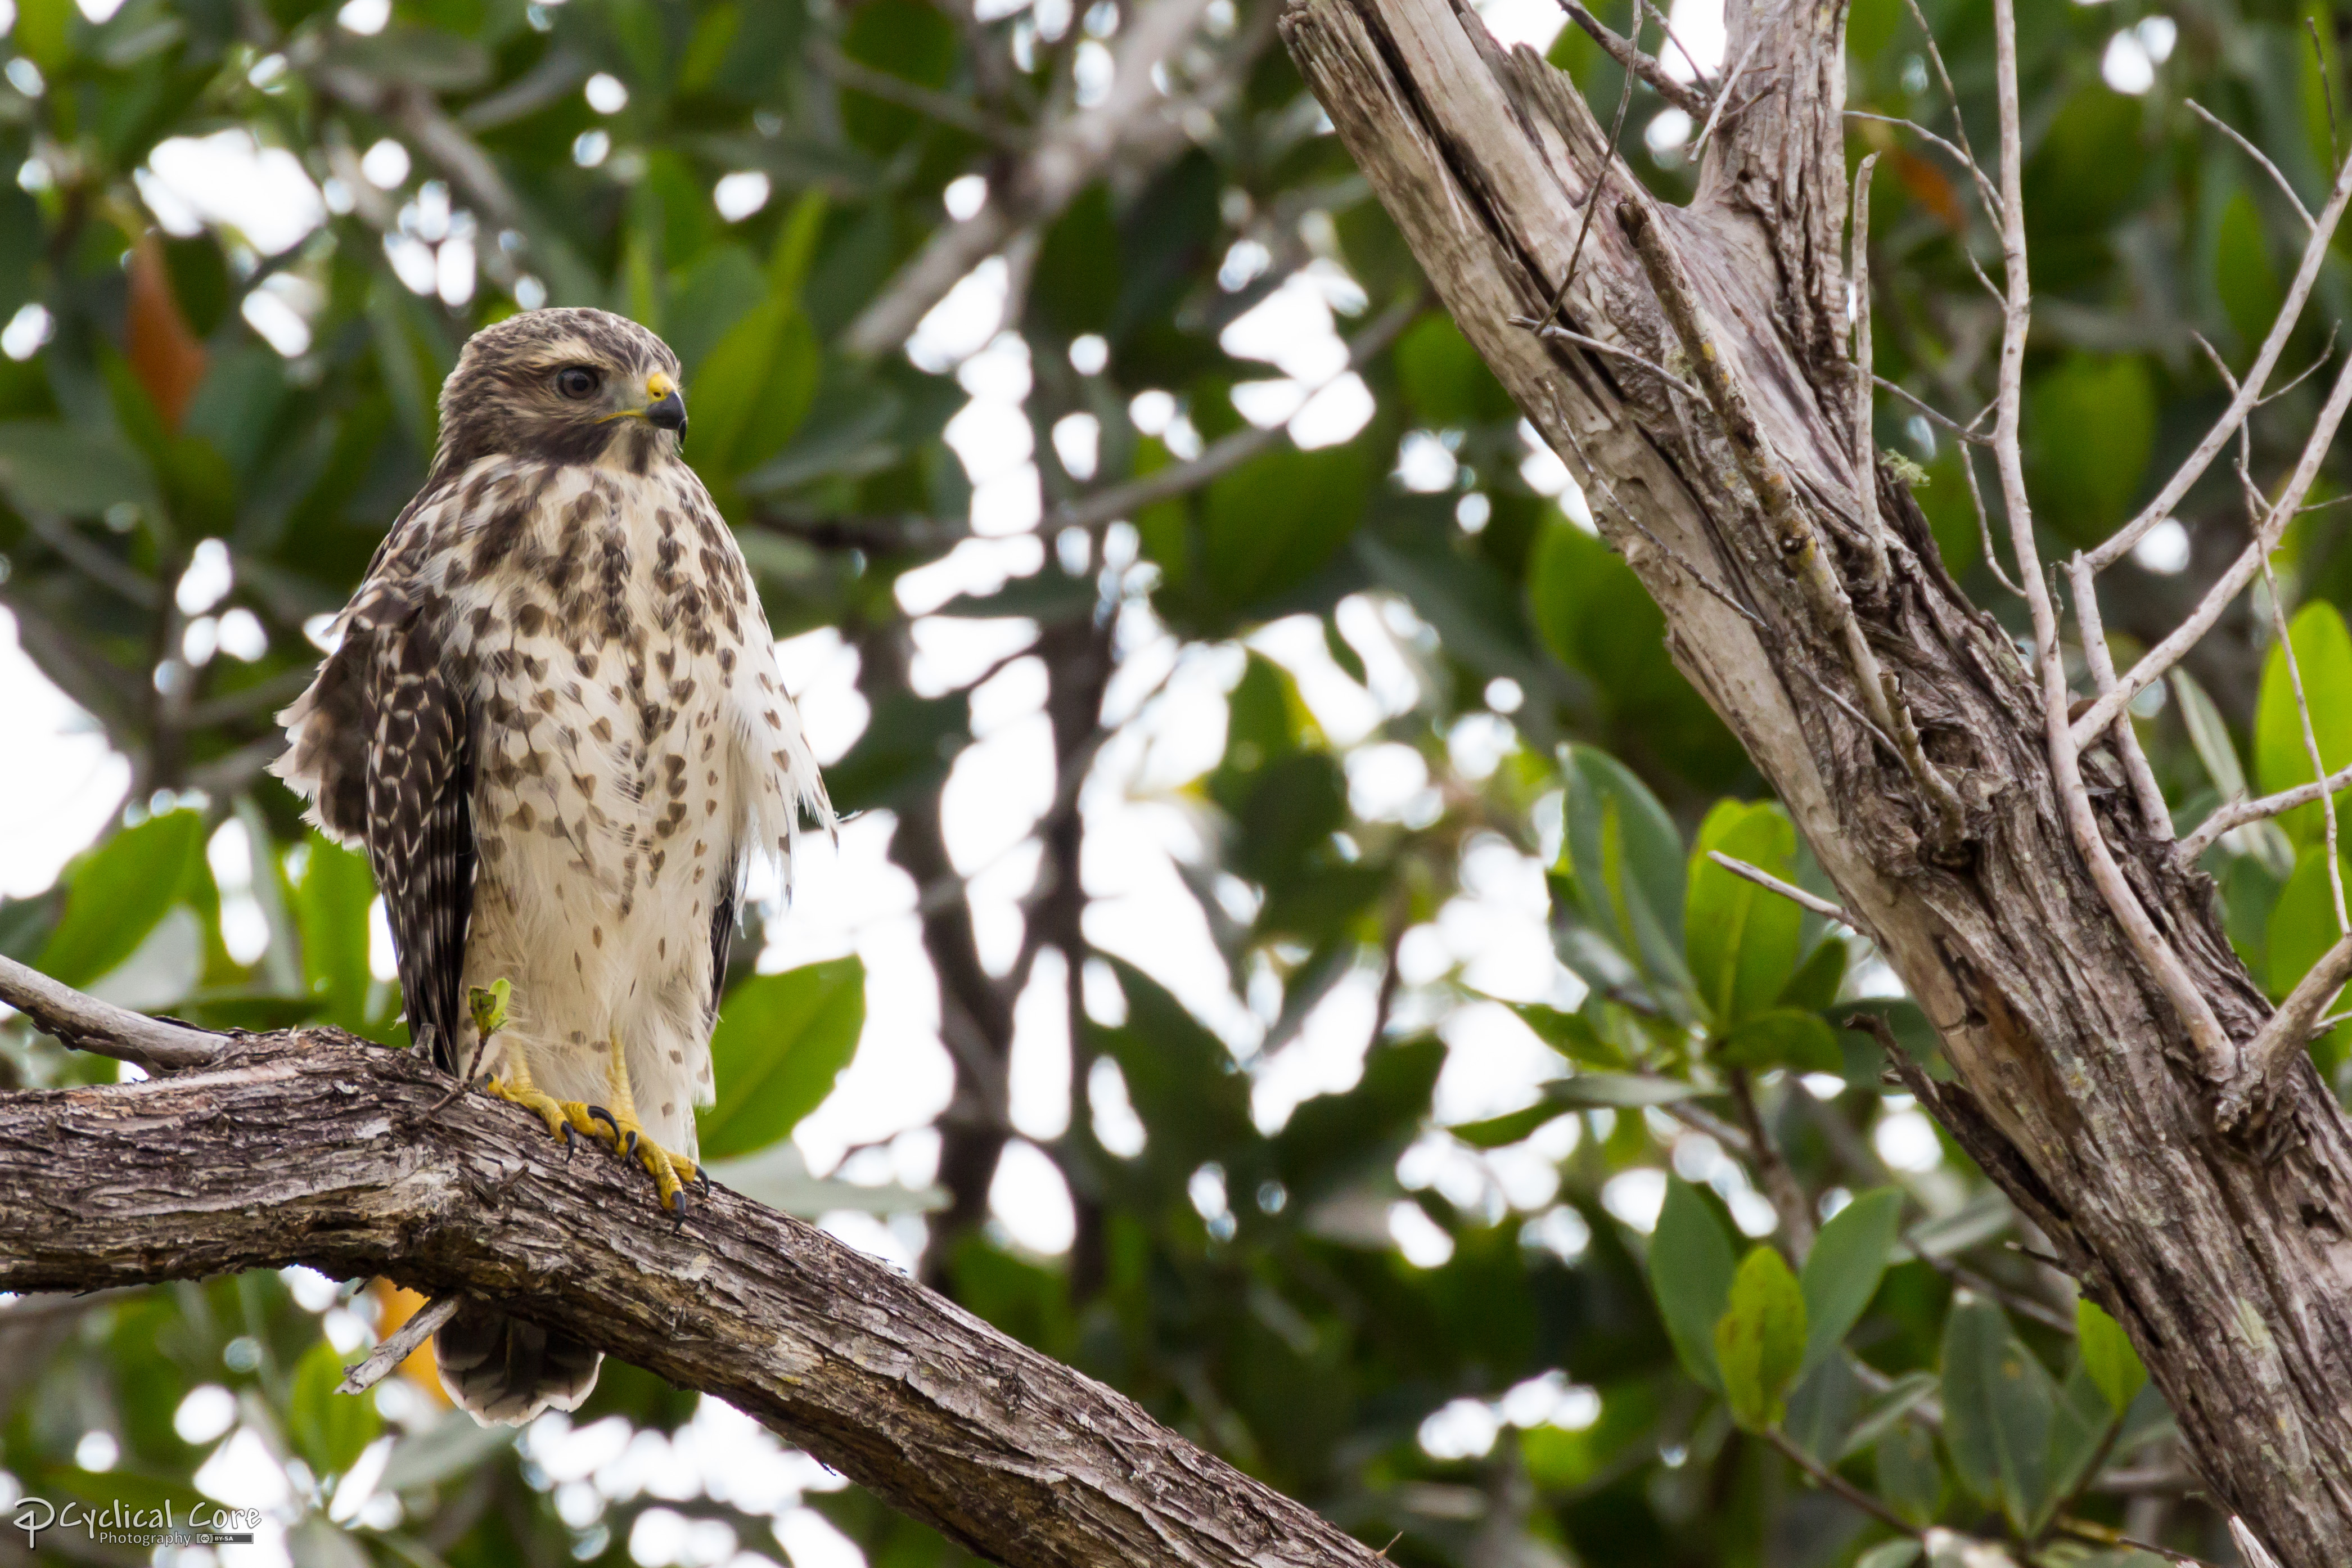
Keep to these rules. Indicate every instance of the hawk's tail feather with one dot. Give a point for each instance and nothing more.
(502, 1371)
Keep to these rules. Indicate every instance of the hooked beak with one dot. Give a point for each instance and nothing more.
(665, 409)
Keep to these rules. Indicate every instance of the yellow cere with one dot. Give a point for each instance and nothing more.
(658, 385)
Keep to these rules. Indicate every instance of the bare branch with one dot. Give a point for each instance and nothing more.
(1934, 415)
(1698, 146)
(2155, 816)
(1789, 891)
(1069, 156)
(2306, 275)
(2310, 742)
(315, 1148)
(2258, 155)
(939, 106)
(2285, 1037)
(2191, 631)
(2215, 1053)
(2238, 812)
(401, 1344)
(1992, 200)
(1682, 95)
(1865, 443)
(1562, 334)
(1779, 1183)
(103, 1028)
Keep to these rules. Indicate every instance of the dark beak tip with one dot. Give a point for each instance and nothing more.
(669, 413)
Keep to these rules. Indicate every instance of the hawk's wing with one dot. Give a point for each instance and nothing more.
(383, 742)
(420, 829)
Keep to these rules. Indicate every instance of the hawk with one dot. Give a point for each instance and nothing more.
(555, 724)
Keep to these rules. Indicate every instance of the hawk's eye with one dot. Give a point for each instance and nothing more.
(577, 381)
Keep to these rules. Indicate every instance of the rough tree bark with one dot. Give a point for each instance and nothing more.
(2078, 1088)
(313, 1147)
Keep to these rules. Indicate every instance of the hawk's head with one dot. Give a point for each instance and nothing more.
(563, 386)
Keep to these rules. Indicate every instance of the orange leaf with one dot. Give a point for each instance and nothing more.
(1931, 190)
(165, 355)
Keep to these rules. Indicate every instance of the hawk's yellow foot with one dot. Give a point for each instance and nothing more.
(563, 1116)
(670, 1172)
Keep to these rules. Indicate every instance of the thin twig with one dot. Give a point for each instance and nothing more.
(892, 88)
(2235, 814)
(1944, 77)
(1772, 1169)
(1690, 570)
(2215, 1053)
(1933, 414)
(2284, 1037)
(2310, 742)
(1627, 53)
(2258, 375)
(1789, 891)
(401, 1344)
(1609, 157)
(1865, 445)
(1831, 1480)
(1984, 522)
(1562, 334)
(2326, 93)
(1992, 200)
(2155, 816)
(1698, 148)
(2259, 156)
(2166, 653)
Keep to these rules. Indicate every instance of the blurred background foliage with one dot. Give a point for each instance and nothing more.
(1510, 1189)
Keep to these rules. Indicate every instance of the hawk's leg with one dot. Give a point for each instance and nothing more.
(563, 1116)
(670, 1172)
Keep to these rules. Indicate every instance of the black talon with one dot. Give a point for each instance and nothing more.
(677, 1206)
(702, 1181)
(599, 1113)
(630, 1147)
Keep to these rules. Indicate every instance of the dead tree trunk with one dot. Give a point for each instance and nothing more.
(1697, 385)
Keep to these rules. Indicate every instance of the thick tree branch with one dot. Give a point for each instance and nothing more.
(313, 1147)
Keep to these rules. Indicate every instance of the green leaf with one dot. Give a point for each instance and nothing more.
(2091, 428)
(118, 893)
(1887, 1409)
(331, 910)
(1619, 851)
(755, 386)
(1690, 1275)
(1783, 1038)
(76, 470)
(329, 1428)
(1814, 987)
(2108, 1355)
(1571, 1034)
(781, 1040)
(1760, 1340)
(1495, 1131)
(1842, 1271)
(2302, 922)
(1820, 1404)
(1616, 1091)
(2080, 1421)
(1998, 1405)
(2209, 733)
(2323, 654)
(1910, 1481)
(1740, 940)
(1268, 526)
(1900, 1553)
